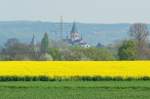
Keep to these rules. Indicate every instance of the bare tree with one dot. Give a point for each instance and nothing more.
(140, 32)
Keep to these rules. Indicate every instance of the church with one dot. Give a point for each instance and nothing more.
(75, 37)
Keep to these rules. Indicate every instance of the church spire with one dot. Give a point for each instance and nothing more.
(74, 28)
(33, 44)
(74, 34)
(33, 41)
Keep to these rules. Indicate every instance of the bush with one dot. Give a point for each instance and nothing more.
(46, 57)
(128, 50)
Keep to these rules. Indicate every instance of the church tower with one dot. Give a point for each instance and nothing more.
(33, 44)
(33, 41)
(74, 34)
(75, 37)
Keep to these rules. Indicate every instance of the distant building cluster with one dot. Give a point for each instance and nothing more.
(75, 38)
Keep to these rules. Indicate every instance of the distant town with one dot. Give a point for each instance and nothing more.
(75, 47)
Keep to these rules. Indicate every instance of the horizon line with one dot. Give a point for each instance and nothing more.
(49, 21)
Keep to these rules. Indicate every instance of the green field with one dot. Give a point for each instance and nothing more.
(75, 90)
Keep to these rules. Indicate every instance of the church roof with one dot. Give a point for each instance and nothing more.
(74, 28)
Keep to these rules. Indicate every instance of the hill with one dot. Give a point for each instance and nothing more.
(92, 33)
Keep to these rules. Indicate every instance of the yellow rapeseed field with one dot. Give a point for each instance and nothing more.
(110, 68)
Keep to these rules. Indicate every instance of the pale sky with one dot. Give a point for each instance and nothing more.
(88, 11)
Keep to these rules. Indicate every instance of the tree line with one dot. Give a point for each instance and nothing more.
(136, 47)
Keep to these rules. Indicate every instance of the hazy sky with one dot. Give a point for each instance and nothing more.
(89, 11)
